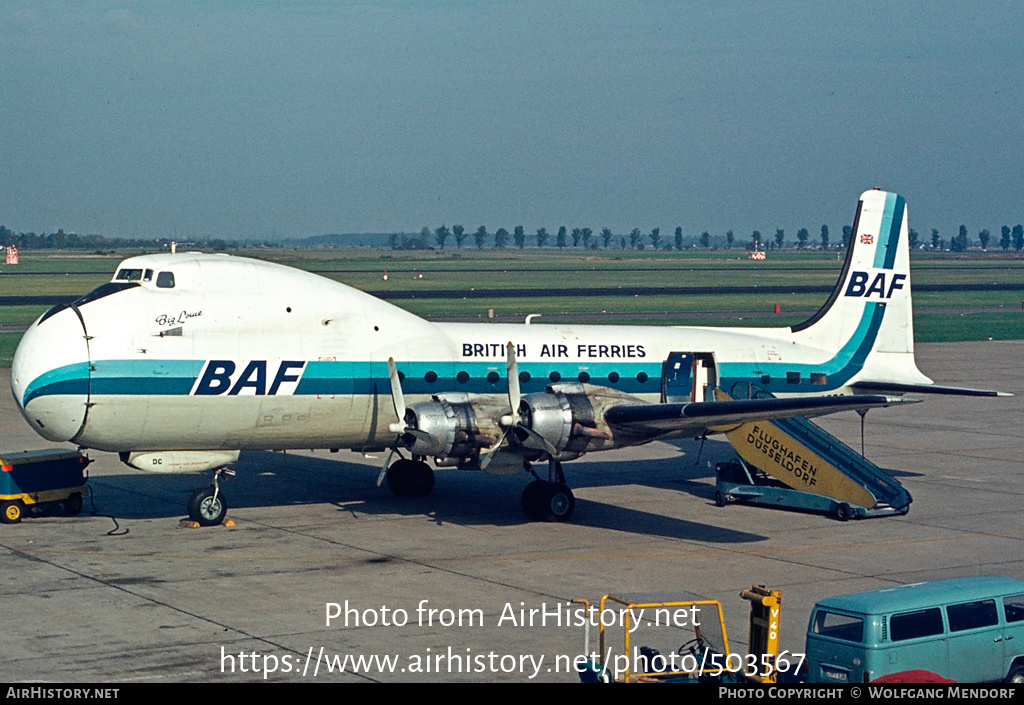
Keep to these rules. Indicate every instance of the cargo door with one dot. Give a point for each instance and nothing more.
(687, 376)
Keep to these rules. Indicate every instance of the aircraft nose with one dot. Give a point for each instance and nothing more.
(50, 375)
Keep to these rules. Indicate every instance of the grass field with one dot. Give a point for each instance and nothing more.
(939, 316)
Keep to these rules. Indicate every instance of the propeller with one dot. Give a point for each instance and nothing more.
(401, 428)
(514, 398)
(513, 421)
(398, 399)
(396, 389)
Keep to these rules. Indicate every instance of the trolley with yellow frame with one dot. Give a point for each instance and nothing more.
(36, 481)
(697, 659)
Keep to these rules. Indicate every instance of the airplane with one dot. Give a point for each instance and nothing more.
(183, 360)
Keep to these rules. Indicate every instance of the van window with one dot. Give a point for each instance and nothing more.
(971, 615)
(1014, 608)
(839, 626)
(165, 280)
(911, 625)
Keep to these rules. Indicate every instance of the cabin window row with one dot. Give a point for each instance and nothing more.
(797, 378)
(554, 377)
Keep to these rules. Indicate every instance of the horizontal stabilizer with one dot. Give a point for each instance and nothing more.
(714, 415)
(927, 389)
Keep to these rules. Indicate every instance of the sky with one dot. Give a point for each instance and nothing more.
(290, 119)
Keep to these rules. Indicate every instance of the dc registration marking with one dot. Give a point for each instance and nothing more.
(859, 287)
(252, 378)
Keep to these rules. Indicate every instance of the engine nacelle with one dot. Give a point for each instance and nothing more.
(445, 426)
(568, 416)
(179, 461)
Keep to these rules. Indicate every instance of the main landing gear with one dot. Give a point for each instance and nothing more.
(548, 500)
(410, 478)
(208, 506)
(542, 500)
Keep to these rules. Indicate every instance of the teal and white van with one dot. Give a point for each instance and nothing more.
(970, 630)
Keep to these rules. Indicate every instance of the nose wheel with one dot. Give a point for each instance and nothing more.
(207, 506)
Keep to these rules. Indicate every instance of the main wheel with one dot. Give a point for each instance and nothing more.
(398, 477)
(555, 502)
(410, 478)
(12, 511)
(422, 480)
(206, 510)
(73, 505)
(529, 500)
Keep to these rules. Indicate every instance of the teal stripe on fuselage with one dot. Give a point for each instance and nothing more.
(319, 377)
(178, 377)
(145, 377)
(118, 377)
(68, 379)
(839, 370)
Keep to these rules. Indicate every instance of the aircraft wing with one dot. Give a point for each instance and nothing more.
(696, 417)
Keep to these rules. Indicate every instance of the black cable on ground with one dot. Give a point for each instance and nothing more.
(117, 530)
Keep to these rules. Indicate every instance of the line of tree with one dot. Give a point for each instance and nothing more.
(62, 240)
(501, 239)
(638, 240)
(582, 238)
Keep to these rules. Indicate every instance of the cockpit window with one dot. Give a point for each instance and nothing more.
(165, 280)
(129, 275)
(148, 276)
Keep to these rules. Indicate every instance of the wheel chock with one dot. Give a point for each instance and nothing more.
(189, 524)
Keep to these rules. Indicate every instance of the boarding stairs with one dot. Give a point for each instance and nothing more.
(809, 468)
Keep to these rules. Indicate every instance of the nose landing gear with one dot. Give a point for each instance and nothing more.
(208, 506)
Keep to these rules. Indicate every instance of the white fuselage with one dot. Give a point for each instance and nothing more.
(241, 354)
(196, 352)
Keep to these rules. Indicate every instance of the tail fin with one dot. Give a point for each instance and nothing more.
(870, 309)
